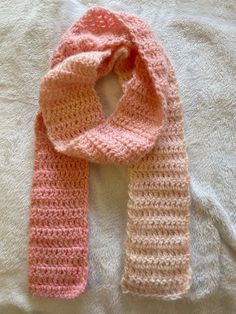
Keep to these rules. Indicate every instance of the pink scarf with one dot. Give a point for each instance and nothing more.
(145, 132)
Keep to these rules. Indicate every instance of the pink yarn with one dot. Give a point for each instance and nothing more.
(145, 132)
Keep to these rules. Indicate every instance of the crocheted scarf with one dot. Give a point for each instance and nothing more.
(145, 132)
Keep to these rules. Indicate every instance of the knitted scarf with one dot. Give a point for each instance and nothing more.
(145, 132)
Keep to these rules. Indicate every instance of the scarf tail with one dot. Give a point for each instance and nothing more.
(58, 226)
(157, 260)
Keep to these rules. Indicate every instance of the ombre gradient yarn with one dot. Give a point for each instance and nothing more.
(145, 132)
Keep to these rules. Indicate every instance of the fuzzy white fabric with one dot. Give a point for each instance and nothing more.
(199, 37)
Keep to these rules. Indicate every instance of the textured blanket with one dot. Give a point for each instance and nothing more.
(199, 37)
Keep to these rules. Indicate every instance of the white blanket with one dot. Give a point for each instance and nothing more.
(200, 38)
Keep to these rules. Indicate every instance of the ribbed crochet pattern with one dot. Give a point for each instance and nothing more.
(145, 132)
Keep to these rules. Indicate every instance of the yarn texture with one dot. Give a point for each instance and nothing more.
(145, 132)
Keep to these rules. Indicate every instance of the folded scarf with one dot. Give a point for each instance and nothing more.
(145, 132)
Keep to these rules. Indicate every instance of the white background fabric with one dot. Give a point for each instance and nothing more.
(200, 38)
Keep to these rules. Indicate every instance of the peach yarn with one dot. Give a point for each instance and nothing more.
(145, 132)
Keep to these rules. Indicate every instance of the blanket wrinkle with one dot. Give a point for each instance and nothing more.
(209, 203)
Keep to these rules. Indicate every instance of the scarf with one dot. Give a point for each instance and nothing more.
(145, 132)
